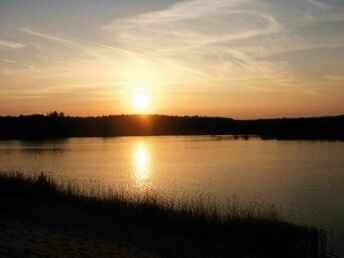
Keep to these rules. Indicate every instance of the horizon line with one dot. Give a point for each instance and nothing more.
(165, 115)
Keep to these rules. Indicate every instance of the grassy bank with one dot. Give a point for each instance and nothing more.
(155, 225)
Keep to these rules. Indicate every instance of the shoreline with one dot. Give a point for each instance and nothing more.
(151, 226)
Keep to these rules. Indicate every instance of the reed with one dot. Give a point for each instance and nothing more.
(115, 213)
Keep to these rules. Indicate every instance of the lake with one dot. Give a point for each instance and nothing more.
(303, 179)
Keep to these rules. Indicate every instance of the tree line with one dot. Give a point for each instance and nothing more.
(58, 125)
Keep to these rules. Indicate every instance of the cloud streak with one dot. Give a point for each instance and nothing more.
(44, 35)
(11, 44)
(7, 60)
(76, 42)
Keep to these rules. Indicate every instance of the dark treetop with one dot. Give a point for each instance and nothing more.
(56, 125)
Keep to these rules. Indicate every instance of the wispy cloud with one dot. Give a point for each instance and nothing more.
(44, 35)
(112, 48)
(317, 3)
(334, 78)
(193, 23)
(201, 37)
(7, 60)
(325, 11)
(11, 44)
(76, 41)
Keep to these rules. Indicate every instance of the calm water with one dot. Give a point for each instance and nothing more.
(303, 179)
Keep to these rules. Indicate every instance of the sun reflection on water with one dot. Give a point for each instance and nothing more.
(142, 169)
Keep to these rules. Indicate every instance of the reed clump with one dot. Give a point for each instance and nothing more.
(143, 219)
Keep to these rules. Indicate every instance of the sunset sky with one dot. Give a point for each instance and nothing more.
(233, 58)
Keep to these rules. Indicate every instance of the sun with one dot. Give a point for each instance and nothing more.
(141, 103)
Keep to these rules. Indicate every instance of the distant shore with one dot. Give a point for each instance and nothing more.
(57, 125)
(40, 217)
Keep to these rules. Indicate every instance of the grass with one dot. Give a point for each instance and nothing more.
(166, 227)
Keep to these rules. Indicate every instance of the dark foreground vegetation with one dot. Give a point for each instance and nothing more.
(151, 226)
(56, 125)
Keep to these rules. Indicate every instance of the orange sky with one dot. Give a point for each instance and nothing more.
(239, 58)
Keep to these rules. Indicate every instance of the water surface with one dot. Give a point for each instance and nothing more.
(303, 179)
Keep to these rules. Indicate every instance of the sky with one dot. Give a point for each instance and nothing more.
(234, 58)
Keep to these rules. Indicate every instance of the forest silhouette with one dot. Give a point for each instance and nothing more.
(58, 125)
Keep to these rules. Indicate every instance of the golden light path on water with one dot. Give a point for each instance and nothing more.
(142, 163)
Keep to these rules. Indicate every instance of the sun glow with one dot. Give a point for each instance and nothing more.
(141, 103)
